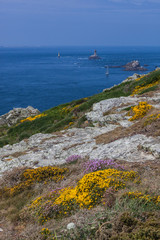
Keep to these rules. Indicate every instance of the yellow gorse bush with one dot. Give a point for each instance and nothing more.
(91, 187)
(33, 118)
(139, 89)
(88, 193)
(138, 79)
(145, 197)
(40, 174)
(140, 110)
(37, 202)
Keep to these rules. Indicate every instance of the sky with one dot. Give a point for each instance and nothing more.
(79, 23)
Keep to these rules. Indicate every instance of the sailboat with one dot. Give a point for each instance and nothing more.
(107, 72)
(59, 55)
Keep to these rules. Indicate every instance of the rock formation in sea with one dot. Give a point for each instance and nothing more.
(131, 66)
(134, 66)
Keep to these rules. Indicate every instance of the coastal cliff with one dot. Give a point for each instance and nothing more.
(97, 157)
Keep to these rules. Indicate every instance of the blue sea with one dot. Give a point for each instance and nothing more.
(37, 77)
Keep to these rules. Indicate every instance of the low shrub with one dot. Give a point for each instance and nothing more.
(143, 198)
(41, 174)
(90, 191)
(140, 110)
(100, 164)
(73, 159)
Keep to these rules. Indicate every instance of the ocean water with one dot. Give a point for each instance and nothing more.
(37, 77)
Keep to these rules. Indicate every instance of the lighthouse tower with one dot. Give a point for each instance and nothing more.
(94, 56)
(95, 53)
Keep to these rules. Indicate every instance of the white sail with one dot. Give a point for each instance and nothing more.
(107, 72)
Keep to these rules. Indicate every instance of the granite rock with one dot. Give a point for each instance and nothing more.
(13, 116)
(134, 66)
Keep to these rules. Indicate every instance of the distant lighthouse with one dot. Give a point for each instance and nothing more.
(95, 53)
(94, 56)
(59, 55)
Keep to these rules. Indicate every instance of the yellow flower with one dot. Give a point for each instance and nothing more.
(33, 118)
(91, 187)
(139, 89)
(140, 110)
(41, 174)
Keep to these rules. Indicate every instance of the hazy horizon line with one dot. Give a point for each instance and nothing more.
(48, 46)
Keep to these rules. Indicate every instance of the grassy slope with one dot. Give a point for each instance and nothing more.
(57, 119)
(118, 219)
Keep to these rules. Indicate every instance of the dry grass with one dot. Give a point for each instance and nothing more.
(16, 154)
(151, 93)
(73, 145)
(56, 134)
(153, 129)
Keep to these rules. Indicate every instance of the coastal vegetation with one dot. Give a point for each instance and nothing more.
(73, 114)
(120, 201)
(102, 199)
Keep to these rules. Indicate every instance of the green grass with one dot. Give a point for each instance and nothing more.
(128, 108)
(57, 119)
(149, 89)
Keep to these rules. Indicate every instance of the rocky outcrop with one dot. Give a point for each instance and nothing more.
(129, 79)
(134, 66)
(102, 112)
(133, 77)
(107, 117)
(101, 109)
(51, 149)
(13, 116)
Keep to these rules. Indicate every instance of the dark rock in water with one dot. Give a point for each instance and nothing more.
(13, 116)
(114, 66)
(94, 56)
(134, 66)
